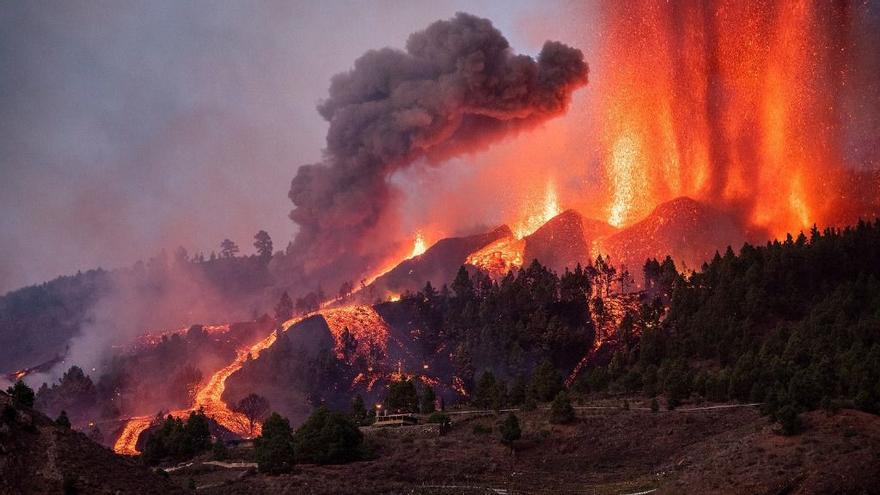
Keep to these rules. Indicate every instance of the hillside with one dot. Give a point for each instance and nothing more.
(607, 450)
(38, 457)
(683, 228)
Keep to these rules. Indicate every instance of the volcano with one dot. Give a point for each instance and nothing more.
(565, 241)
(438, 264)
(688, 230)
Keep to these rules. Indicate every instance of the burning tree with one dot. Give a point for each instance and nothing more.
(254, 407)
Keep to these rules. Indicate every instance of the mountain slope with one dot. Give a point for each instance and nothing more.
(686, 229)
(36, 456)
(438, 264)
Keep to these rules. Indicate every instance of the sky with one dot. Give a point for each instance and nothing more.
(131, 127)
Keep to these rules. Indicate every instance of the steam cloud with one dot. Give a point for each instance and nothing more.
(456, 88)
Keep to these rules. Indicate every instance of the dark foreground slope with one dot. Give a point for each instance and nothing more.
(38, 457)
(605, 451)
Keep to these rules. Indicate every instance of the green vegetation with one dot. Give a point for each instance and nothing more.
(561, 411)
(22, 395)
(273, 449)
(510, 431)
(500, 330)
(792, 324)
(328, 437)
(177, 440)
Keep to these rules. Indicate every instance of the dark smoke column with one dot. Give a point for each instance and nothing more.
(456, 88)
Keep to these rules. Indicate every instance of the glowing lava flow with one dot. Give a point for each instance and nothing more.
(499, 257)
(505, 254)
(208, 398)
(126, 444)
(364, 324)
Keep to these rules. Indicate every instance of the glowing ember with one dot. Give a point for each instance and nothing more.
(540, 214)
(499, 257)
(742, 105)
(364, 324)
(419, 245)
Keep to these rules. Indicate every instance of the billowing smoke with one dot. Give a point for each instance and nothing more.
(457, 88)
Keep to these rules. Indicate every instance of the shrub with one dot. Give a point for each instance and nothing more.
(561, 411)
(546, 382)
(655, 406)
(789, 420)
(328, 438)
(510, 431)
(176, 440)
(274, 449)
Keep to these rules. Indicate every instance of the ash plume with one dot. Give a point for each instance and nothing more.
(455, 89)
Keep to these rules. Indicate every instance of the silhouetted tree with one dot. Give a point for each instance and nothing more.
(345, 289)
(254, 407)
(263, 245)
(402, 396)
(63, 421)
(546, 382)
(358, 410)
(561, 411)
(327, 438)
(228, 249)
(273, 449)
(22, 395)
(510, 431)
(284, 308)
(427, 401)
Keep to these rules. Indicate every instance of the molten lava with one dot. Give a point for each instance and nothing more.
(742, 105)
(499, 257)
(369, 330)
(419, 245)
(208, 398)
(537, 213)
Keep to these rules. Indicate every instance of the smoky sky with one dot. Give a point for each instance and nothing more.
(130, 127)
(456, 87)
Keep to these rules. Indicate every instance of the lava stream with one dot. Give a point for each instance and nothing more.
(208, 398)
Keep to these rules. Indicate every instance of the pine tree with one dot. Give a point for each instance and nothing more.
(63, 421)
(510, 430)
(274, 449)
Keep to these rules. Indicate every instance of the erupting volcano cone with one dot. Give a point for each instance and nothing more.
(688, 230)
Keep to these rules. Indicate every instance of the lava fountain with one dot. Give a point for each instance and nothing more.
(745, 105)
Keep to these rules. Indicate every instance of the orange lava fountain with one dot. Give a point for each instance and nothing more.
(505, 254)
(735, 103)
